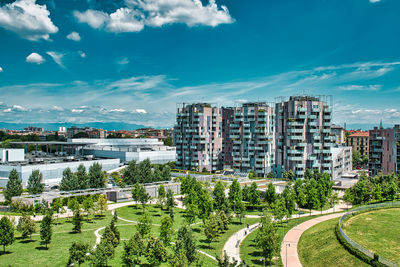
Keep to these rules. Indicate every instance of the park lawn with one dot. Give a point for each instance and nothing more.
(32, 253)
(251, 255)
(218, 245)
(133, 214)
(378, 231)
(319, 246)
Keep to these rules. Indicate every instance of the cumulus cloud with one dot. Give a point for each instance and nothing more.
(140, 110)
(154, 13)
(74, 36)
(35, 58)
(17, 107)
(374, 1)
(77, 110)
(27, 19)
(1, 69)
(57, 57)
(353, 87)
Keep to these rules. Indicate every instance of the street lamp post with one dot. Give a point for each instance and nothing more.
(287, 245)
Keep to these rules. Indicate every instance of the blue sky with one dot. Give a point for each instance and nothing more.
(133, 60)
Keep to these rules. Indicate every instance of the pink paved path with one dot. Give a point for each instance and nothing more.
(292, 237)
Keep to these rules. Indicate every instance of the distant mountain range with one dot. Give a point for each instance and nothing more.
(109, 126)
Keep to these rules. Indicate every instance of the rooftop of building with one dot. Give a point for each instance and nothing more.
(360, 134)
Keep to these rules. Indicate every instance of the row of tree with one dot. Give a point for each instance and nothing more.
(81, 179)
(145, 172)
(14, 184)
(377, 188)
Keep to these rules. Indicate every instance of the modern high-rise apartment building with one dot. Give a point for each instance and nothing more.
(382, 150)
(198, 136)
(253, 139)
(360, 142)
(303, 134)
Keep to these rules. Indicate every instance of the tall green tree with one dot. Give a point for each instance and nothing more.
(143, 196)
(46, 230)
(81, 178)
(156, 253)
(191, 213)
(35, 185)
(88, 206)
(131, 173)
(166, 230)
(14, 186)
(211, 229)
(289, 197)
(69, 181)
(144, 225)
(77, 253)
(136, 192)
(270, 194)
(186, 242)
(6, 232)
(267, 239)
(102, 253)
(77, 221)
(225, 261)
(97, 178)
(102, 204)
(254, 194)
(166, 173)
(26, 226)
(133, 250)
(145, 172)
(220, 201)
(161, 195)
(204, 204)
(170, 199)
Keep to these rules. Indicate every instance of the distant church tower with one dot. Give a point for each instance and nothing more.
(381, 125)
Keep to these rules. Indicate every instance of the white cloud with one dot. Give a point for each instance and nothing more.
(96, 19)
(77, 110)
(35, 58)
(156, 13)
(28, 19)
(123, 61)
(57, 57)
(140, 110)
(1, 69)
(374, 1)
(82, 54)
(58, 108)
(74, 36)
(7, 110)
(353, 87)
(17, 107)
(117, 110)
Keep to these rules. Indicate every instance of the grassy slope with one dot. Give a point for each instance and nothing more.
(319, 246)
(378, 231)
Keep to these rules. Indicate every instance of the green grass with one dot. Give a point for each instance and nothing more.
(319, 246)
(251, 255)
(24, 253)
(378, 231)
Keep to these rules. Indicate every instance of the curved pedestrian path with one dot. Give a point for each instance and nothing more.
(289, 254)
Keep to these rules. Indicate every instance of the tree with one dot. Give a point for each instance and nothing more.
(97, 178)
(211, 228)
(46, 231)
(267, 239)
(333, 199)
(145, 173)
(141, 195)
(245, 192)
(392, 190)
(254, 194)
(225, 261)
(88, 206)
(170, 199)
(204, 204)
(161, 195)
(77, 221)
(270, 195)
(155, 251)
(168, 141)
(82, 179)
(190, 213)
(6, 232)
(115, 231)
(14, 186)
(144, 225)
(166, 173)
(26, 226)
(357, 159)
(77, 253)
(35, 185)
(103, 251)
(110, 236)
(135, 192)
(279, 209)
(219, 196)
(289, 197)
(57, 206)
(223, 221)
(69, 181)
(131, 173)
(291, 175)
(235, 196)
(186, 243)
(378, 193)
(133, 250)
(166, 230)
(312, 195)
(102, 204)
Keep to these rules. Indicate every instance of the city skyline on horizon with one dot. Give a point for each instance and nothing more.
(125, 61)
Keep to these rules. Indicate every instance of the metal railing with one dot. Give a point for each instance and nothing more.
(357, 246)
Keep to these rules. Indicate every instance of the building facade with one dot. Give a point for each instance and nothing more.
(342, 161)
(253, 138)
(198, 137)
(382, 151)
(303, 134)
(360, 142)
(339, 133)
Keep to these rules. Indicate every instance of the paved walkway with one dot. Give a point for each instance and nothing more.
(289, 254)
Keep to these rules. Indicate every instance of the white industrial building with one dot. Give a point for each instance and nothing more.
(125, 150)
(342, 161)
